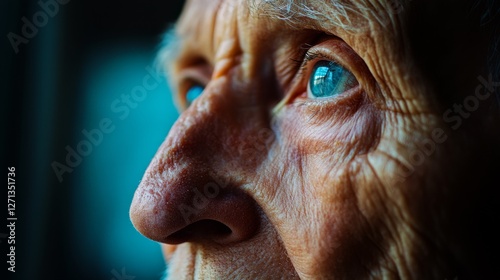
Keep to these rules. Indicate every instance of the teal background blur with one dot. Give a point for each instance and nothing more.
(64, 81)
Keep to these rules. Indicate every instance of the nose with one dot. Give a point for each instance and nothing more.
(186, 209)
(191, 191)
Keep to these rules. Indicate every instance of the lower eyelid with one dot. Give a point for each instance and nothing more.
(344, 98)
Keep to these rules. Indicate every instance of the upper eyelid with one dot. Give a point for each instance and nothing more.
(200, 72)
(303, 55)
(311, 55)
(308, 57)
(310, 51)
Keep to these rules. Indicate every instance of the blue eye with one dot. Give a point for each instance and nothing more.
(193, 93)
(329, 79)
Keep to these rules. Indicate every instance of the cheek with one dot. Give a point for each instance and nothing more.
(308, 177)
(318, 143)
(345, 129)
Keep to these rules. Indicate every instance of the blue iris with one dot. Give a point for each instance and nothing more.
(193, 93)
(329, 79)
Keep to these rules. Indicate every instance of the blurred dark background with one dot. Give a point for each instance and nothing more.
(69, 77)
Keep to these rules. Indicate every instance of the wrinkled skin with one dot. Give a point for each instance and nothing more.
(258, 181)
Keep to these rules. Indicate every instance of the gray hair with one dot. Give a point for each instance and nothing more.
(296, 12)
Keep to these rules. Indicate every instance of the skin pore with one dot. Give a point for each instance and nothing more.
(260, 179)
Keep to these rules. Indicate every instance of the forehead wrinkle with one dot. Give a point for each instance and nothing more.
(196, 28)
(227, 30)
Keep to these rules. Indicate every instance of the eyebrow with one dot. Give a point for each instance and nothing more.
(299, 13)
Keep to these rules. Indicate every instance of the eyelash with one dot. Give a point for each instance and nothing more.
(304, 56)
(305, 59)
(308, 57)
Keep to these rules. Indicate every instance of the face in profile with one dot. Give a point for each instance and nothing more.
(324, 140)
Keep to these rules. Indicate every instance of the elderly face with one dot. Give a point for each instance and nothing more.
(314, 142)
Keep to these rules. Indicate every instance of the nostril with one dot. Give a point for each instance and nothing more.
(179, 212)
(201, 230)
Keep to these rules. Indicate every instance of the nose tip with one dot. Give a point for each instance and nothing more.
(190, 211)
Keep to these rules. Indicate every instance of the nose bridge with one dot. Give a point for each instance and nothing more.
(202, 128)
(227, 120)
(192, 178)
